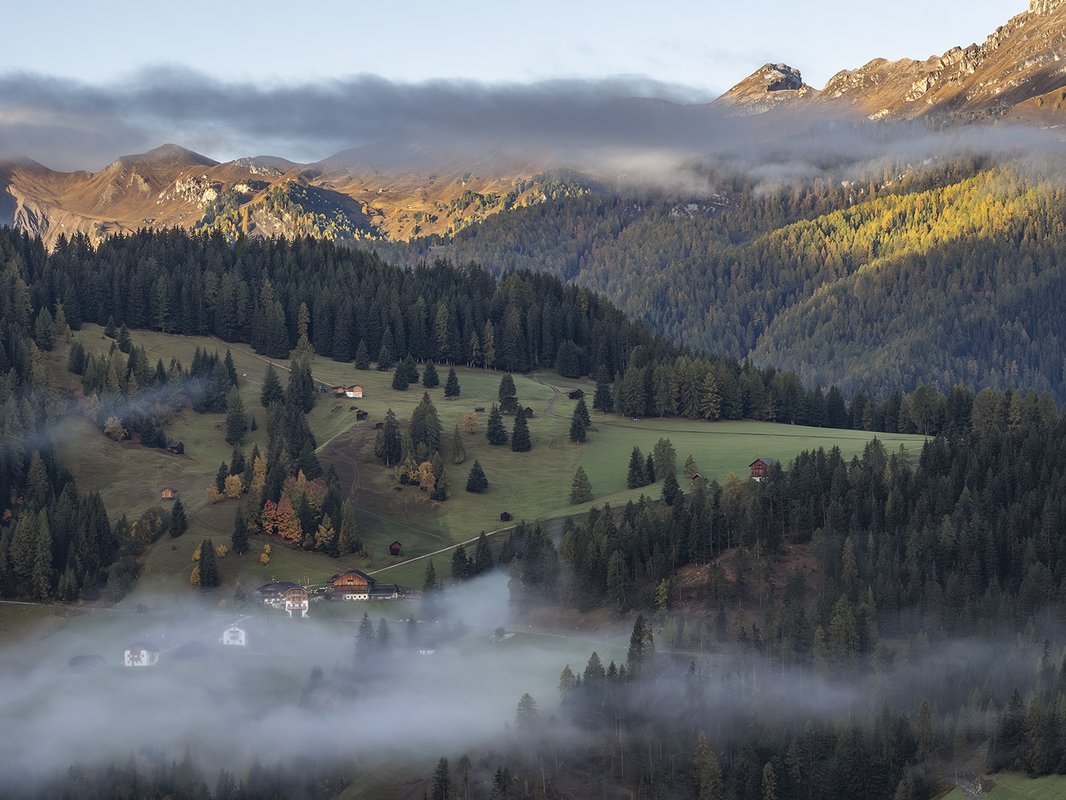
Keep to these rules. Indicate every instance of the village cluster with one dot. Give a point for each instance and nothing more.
(292, 598)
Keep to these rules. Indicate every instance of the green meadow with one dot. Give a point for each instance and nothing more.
(533, 485)
(1014, 786)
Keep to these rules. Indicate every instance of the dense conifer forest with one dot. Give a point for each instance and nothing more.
(938, 276)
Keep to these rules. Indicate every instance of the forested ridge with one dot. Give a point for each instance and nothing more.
(924, 627)
(940, 277)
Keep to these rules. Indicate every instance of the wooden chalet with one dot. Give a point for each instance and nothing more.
(354, 392)
(528, 412)
(285, 596)
(379, 425)
(385, 591)
(360, 415)
(177, 448)
(505, 516)
(576, 394)
(396, 548)
(339, 391)
(168, 493)
(352, 585)
(479, 410)
(761, 467)
(296, 602)
(140, 654)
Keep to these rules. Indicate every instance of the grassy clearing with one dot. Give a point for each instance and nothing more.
(532, 485)
(1014, 786)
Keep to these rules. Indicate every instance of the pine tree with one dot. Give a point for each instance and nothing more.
(671, 489)
(347, 536)
(458, 447)
(577, 428)
(637, 475)
(495, 432)
(239, 538)
(483, 560)
(430, 380)
(301, 389)
(386, 358)
(707, 772)
(641, 647)
(580, 487)
(391, 448)
(462, 569)
(236, 421)
(442, 783)
(477, 482)
(508, 395)
(399, 378)
(208, 566)
(520, 439)
(451, 386)
(362, 357)
(220, 476)
(272, 391)
(649, 469)
(429, 582)
(179, 522)
(603, 400)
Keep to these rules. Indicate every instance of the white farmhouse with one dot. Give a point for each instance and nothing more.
(234, 636)
(140, 654)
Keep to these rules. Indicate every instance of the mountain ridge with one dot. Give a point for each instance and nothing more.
(414, 189)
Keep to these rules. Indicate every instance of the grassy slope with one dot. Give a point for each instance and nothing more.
(533, 485)
(1013, 786)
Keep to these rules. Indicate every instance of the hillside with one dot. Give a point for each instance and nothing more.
(941, 277)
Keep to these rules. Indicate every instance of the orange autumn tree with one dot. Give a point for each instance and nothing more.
(280, 519)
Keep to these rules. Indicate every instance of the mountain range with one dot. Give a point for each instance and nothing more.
(1015, 74)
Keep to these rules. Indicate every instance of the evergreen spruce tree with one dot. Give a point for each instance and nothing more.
(637, 475)
(649, 469)
(179, 522)
(577, 428)
(208, 566)
(386, 358)
(391, 448)
(520, 439)
(221, 475)
(429, 376)
(236, 421)
(581, 410)
(442, 487)
(239, 538)
(483, 560)
(603, 400)
(272, 391)
(301, 389)
(477, 482)
(347, 535)
(410, 369)
(671, 489)
(462, 569)
(451, 386)
(399, 378)
(580, 487)
(495, 432)
(362, 357)
(429, 581)
(508, 395)
(458, 447)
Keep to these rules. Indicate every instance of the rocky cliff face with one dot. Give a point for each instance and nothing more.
(1019, 62)
(769, 87)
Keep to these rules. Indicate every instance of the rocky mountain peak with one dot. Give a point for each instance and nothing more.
(1042, 7)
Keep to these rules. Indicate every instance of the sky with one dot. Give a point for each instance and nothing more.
(707, 45)
(88, 82)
